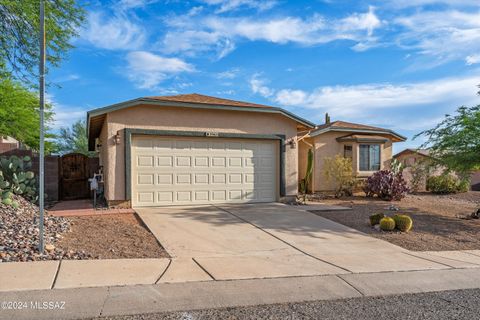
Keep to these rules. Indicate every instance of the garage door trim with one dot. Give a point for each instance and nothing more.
(128, 132)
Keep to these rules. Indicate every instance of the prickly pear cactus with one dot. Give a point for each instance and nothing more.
(16, 178)
(403, 222)
(375, 218)
(387, 224)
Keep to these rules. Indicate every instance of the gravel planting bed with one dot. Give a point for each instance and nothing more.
(438, 220)
(19, 234)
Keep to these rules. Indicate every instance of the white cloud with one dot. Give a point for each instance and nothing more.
(219, 34)
(67, 78)
(64, 115)
(228, 74)
(118, 32)
(473, 59)
(134, 4)
(445, 35)
(418, 3)
(148, 70)
(367, 99)
(361, 21)
(229, 5)
(259, 86)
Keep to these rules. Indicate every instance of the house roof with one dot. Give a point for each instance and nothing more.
(343, 126)
(208, 100)
(96, 117)
(423, 152)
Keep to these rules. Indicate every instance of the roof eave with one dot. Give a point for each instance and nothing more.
(134, 102)
(386, 131)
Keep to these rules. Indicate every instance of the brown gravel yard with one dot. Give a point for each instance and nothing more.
(112, 236)
(437, 223)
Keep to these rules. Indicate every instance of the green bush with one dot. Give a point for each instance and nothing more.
(375, 218)
(447, 183)
(403, 222)
(387, 224)
(339, 172)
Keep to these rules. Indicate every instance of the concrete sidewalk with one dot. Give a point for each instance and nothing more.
(123, 300)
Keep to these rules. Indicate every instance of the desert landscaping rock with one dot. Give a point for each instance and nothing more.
(19, 234)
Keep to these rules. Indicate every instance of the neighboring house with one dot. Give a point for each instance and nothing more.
(410, 157)
(416, 157)
(196, 149)
(370, 148)
(8, 144)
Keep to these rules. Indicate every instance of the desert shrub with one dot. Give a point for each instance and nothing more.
(447, 183)
(386, 185)
(403, 222)
(16, 179)
(375, 218)
(387, 224)
(339, 172)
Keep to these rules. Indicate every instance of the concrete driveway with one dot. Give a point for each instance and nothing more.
(272, 240)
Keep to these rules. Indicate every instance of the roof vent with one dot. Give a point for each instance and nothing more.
(327, 118)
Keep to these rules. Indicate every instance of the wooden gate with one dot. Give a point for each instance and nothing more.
(74, 174)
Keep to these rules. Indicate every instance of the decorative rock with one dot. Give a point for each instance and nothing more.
(19, 234)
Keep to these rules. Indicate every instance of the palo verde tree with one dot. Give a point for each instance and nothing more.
(19, 30)
(455, 142)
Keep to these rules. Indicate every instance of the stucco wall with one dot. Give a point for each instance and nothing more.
(102, 154)
(326, 145)
(188, 119)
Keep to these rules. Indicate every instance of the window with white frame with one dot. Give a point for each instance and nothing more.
(369, 158)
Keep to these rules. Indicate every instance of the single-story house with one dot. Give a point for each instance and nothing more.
(197, 149)
(370, 149)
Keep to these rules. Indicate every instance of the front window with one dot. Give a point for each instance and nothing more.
(369, 157)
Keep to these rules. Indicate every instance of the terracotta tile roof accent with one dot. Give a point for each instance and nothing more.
(200, 98)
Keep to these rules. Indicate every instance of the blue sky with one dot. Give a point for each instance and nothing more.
(394, 63)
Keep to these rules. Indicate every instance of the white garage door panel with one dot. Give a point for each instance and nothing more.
(170, 170)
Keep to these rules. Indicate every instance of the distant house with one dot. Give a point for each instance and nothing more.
(9, 144)
(410, 157)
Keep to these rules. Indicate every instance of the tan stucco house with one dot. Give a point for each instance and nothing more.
(370, 148)
(196, 149)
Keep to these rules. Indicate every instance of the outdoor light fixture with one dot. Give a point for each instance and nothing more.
(116, 138)
(292, 143)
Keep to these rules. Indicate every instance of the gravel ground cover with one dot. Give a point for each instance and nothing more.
(438, 220)
(19, 235)
(114, 236)
(458, 305)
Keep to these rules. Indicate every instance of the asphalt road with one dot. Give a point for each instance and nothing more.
(459, 304)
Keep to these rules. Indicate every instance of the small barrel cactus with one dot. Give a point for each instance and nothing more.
(387, 224)
(403, 222)
(375, 218)
(7, 201)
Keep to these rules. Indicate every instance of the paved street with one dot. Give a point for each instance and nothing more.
(460, 304)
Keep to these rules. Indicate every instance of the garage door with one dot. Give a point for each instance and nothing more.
(171, 170)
